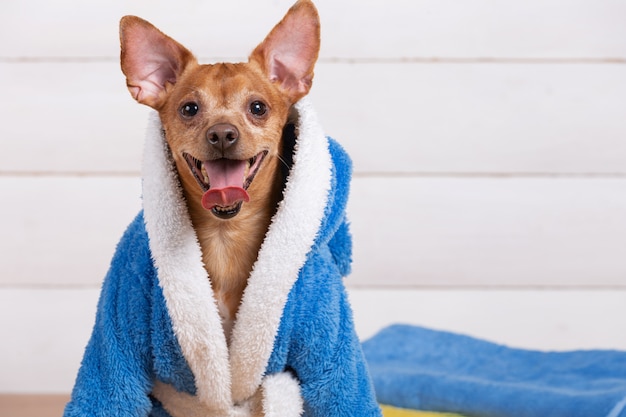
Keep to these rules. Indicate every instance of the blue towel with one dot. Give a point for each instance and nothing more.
(429, 370)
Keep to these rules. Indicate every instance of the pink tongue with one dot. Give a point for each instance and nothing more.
(226, 177)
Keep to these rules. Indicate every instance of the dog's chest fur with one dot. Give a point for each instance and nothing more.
(228, 261)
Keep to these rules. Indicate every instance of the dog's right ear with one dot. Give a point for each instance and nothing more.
(288, 54)
(150, 60)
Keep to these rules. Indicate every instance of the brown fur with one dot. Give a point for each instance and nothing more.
(164, 75)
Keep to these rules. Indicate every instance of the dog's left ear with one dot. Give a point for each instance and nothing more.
(288, 53)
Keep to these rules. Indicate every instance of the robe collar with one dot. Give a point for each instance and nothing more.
(226, 376)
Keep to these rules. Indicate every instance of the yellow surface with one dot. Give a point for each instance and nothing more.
(389, 411)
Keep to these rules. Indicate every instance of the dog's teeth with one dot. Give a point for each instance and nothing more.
(205, 176)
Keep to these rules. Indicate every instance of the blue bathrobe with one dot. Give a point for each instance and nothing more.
(157, 347)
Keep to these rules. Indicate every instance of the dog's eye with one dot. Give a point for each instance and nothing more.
(189, 109)
(258, 108)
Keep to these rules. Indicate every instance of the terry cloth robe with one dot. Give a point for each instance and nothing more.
(158, 343)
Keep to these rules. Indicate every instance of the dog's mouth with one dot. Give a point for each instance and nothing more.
(225, 182)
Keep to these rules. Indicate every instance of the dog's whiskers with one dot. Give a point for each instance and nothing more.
(280, 158)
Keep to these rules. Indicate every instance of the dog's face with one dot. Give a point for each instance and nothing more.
(223, 122)
(224, 125)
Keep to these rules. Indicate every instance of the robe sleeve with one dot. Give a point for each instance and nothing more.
(114, 377)
(326, 354)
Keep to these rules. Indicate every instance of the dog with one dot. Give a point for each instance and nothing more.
(224, 125)
(225, 295)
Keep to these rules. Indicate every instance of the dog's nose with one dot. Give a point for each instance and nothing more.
(222, 135)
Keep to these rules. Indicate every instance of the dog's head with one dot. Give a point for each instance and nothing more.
(223, 122)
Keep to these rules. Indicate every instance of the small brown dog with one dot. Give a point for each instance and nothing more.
(224, 124)
(225, 296)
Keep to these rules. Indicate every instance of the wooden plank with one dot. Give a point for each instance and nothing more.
(494, 232)
(477, 118)
(536, 319)
(408, 118)
(373, 29)
(424, 232)
(49, 328)
(63, 231)
(69, 118)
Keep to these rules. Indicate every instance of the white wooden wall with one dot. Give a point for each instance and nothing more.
(488, 138)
